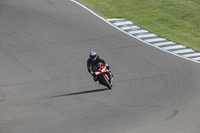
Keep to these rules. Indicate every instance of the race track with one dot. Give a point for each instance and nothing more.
(45, 86)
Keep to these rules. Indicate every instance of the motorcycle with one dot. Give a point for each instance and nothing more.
(101, 71)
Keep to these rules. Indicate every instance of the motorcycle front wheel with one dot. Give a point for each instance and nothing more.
(107, 83)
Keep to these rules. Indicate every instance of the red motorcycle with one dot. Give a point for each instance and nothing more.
(101, 71)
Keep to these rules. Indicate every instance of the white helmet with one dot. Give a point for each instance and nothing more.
(93, 55)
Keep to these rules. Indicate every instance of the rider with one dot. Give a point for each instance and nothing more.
(93, 60)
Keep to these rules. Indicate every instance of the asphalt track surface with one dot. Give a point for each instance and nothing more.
(45, 86)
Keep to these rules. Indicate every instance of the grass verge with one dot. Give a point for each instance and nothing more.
(175, 20)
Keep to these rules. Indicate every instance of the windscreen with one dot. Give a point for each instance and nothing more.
(97, 66)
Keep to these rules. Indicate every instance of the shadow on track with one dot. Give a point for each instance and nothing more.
(78, 93)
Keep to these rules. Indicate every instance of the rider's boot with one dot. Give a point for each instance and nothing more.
(95, 78)
(110, 76)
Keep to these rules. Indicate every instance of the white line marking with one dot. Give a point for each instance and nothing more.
(138, 31)
(163, 43)
(116, 19)
(122, 23)
(190, 55)
(155, 40)
(183, 51)
(131, 27)
(173, 47)
(147, 35)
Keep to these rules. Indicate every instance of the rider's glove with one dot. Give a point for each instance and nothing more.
(91, 73)
(107, 66)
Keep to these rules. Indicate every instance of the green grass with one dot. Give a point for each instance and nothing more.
(175, 20)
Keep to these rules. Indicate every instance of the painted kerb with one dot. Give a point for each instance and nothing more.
(149, 38)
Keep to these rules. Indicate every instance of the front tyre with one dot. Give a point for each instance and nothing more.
(107, 83)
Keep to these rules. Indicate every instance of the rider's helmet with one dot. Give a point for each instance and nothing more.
(93, 55)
